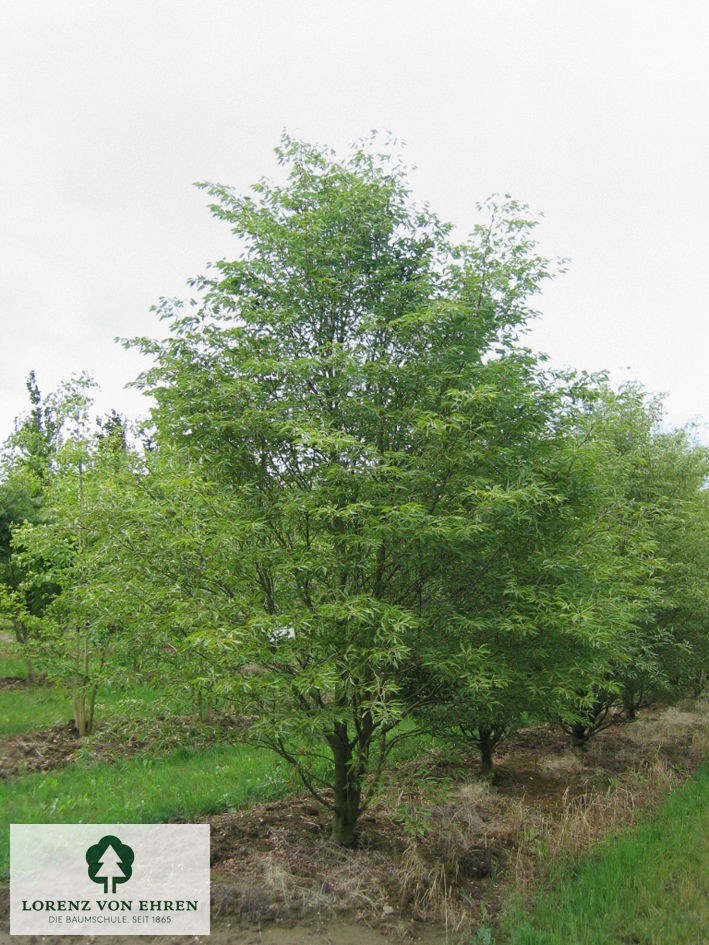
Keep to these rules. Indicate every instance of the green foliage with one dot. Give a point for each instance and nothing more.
(24, 471)
(546, 600)
(330, 400)
(658, 511)
(52, 560)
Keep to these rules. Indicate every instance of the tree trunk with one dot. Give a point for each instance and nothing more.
(90, 714)
(22, 635)
(487, 747)
(83, 707)
(347, 788)
(78, 700)
(344, 820)
(579, 735)
(203, 710)
(632, 700)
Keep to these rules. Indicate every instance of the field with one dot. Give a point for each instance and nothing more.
(443, 856)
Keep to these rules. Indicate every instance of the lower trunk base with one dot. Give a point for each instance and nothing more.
(343, 829)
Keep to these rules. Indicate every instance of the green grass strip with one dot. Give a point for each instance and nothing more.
(22, 710)
(28, 709)
(650, 886)
(11, 666)
(185, 784)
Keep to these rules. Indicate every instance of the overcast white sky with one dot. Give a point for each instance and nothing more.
(595, 113)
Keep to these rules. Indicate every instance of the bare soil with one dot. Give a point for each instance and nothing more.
(58, 745)
(439, 850)
(18, 682)
(40, 750)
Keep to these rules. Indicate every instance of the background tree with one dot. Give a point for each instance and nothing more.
(655, 487)
(541, 591)
(72, 630)
(25, 471)
(664, 489)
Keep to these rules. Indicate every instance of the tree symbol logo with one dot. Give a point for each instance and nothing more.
(110, 862)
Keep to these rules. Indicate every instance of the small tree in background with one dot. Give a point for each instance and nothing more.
(25, 473)
(73, 630)
(655, 483)
(543, 593)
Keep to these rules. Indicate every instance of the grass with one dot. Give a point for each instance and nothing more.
(188, 783)
(12, 667)
(41, 706)
(649, 886)
(28, 710)
(184, 784)
(25, 710)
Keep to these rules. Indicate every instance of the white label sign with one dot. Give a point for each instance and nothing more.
(109, 879)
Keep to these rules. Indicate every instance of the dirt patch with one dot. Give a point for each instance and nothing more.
(225, 929)
(22, 682)
(42, 750)
(58, 745)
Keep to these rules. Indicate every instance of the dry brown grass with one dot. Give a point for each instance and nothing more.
(560, 766)
(324, 882)
(663, 730)
(462, 846)
(699, 746)
(578, 798)
(587, 814)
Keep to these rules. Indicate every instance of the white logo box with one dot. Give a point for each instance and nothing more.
(162, 890)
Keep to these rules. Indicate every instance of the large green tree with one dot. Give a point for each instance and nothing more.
(332, 389)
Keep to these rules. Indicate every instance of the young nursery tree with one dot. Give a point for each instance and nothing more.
(665, 486)
(61, 549)
(25, 471)
(332, 389)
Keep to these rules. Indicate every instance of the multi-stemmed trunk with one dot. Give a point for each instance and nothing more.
(633, 698)
(83, 702)
(350, 758)
(596, 719)
(580, 733)
(83, 689)
(83, 696)
(486, 738)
